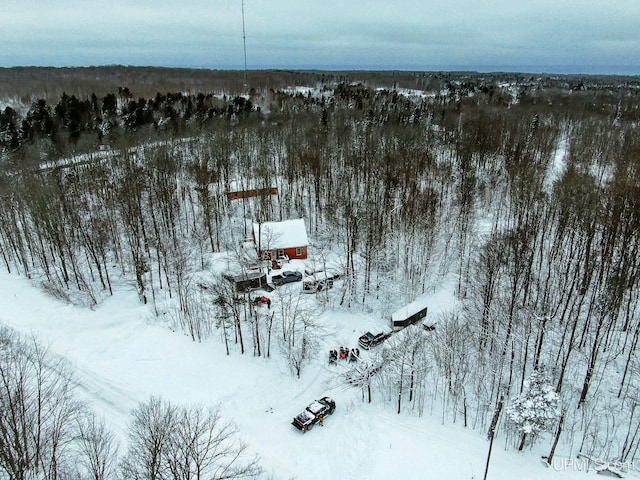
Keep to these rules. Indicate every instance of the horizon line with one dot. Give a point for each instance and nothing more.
(547, 69)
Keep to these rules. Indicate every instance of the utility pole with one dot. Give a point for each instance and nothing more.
(244, 43)
(492, 432)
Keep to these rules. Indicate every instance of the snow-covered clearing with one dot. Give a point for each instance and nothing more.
(121, 356)
(558, 164)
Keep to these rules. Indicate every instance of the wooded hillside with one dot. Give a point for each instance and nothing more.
(525, 188)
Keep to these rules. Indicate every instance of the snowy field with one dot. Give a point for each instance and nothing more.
(121, 356)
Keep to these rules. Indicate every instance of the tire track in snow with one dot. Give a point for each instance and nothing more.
(104, 398)
(352, 427)
(314, 381)
(98, 390)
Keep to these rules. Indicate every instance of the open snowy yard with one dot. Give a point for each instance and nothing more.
(120, 357)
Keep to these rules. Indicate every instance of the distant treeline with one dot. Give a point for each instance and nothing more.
(71, 117)
(55, 112)
(29, 83)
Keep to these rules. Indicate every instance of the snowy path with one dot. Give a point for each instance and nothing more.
(558, 164)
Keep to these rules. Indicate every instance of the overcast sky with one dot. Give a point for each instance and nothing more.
(581, 36)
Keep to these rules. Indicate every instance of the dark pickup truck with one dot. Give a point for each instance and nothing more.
(312, 414)
(369, 340)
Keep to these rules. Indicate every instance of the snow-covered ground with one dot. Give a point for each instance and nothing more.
(121, 356)
(557, 166)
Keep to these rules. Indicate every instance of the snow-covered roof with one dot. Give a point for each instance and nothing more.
(247, 184)
(408, 310)
(313, 268)
(320, 276)
(315, 407)
(305, 417)
(280, 235)
(248, 252)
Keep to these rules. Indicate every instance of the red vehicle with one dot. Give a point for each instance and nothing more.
(257, 301)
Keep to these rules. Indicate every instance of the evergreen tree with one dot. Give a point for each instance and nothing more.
(536, 409)
(9, 134)
(39, 121)
(109, 104)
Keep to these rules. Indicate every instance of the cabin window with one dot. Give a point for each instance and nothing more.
(298, 252)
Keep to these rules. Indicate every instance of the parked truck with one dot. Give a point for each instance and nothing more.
(369, 339)
(314, 413)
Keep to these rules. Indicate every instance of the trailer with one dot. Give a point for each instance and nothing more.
(408, 315)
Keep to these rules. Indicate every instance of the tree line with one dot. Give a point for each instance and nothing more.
(61, 126)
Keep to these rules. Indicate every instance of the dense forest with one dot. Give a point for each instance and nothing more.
(523, 189)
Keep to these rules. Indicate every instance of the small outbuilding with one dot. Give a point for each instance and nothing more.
(245, 282)
(408, 315)
(287, 239)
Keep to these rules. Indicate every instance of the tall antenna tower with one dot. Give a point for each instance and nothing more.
(244, 44)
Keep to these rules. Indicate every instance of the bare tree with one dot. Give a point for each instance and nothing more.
(301, 332)
(406, 365)
(149, 435)
(203, 446)
(184, 443)
(449, 347)
(194, 317)
(97, 449)
(362, 375)
(231, 312)
(38, 411)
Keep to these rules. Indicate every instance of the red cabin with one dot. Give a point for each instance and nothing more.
(278, 240)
